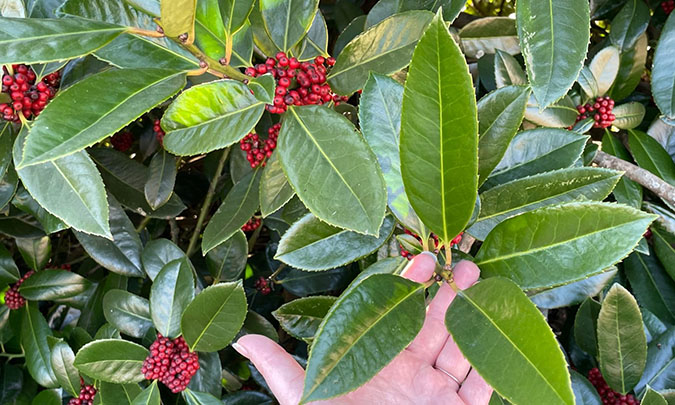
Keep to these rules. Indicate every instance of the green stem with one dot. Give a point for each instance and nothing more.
(143, 224)
(227, 70)
(207, 204)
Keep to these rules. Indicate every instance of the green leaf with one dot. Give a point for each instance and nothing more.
(117, 394)
(652, 397)
(122, 254)
(226, 261)
(653, 287)
(117, 97)
(315, 43)
(199, 398)
(550, 188)
(500, 114)
(622, 345)
(659, 371)
(507, 70)
(211, 38)
(631, 67)
(663, 77)
(554, 37)
(53, 285)
(214, 317)
(8, 186)
(626, 191)
(536, 151)
(664, 245)
(62, 358)
(209, 375)
(631, 22)
(311, 244)
(576, 239)
(558, 115)
(34, 333)
(69, 188)
(112, 360)
(26, 203)
(573, 293)
(584, 392)
(487, 35)
(586, 326)
(127, 312)
(171, 292)
(149, 396)
(439, 160)
(384, 48)
(234, 13)
(380, 119)
(211, 116)
(355, 27)
(35, 251)
(34, 40)
(162, 177)
(178, 18)
(628, 115)
(605, 67)
(9, 272)
(238, 207)
(258, 324)
(311, 146)
(301, 318)
(650, 155)
(287, 21)
(157, 253)
(588, 82)
(125, 178)
(519, 336)
(275, 191)
(391, 306)
(47, 397)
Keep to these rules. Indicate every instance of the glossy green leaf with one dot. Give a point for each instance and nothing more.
(650, 155)
(439, 159)
(178, 18)
(584, 392)
(311, 149)
(652, 397)
(487, 35)
(355, 27)
(664, 245)
(117, 97)
(663, 77)
(315, 43)
(162, 177)
(238, 207)
(550, 188)
(127, 312)
(519, 336)
(311, 244)
(211, 38)
(586, 326)
(628, 115)
(6, 142)
(35, 251)
(149, 396)
(62, 358)
(653, 288)
(561, 114)
(588, 83)
(261, 38)
(605, 67)
(37, 40)
(209, 376)
(622, 345)
(157, 253)
(8, 186)
(626, 191)
(171, 292)
(53, 285)
(287, 21)
(234, 13)
(247, 398)
(112, 360)
(47, 397)
(34, 333)
(258, 324)
(122, 254)
(507, 70)
(659, 371)
(226, 261)
(629, 24)
(26, 203)
(536, 151)
(214, 317)
(573, 293)
(384, 48)
(275, 191)
(212, 116)
(199, 398)
(380, 317)
(301, 318)
(631, 67)
(9, 272)
(117, 394)
(500, 114)
(576, 239)
(554, 39)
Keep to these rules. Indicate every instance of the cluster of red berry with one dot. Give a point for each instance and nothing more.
(170, 362)
(298, 83)
(600, 111)
(668, 6)
(159, 132)
(13, 299)
(122, 141)
(252, 224)
(608, 395)
(257, 150)
(28, 98)
(263, 285)
(86, 397)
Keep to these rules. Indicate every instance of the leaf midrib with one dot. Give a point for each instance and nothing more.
(655, 284)
(14, 41)
(211, 319)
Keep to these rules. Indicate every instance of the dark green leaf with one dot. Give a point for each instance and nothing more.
(663, 77)
(626, 191)
(315, 43)
(199, 398)
(653, 287)
(438, 154)
(47, 397)
(301, 318)
(149, 396)
(157, 253)
(586, 326)
(659, 371)
(275, 191)
(172, 290)
(112, 360)
(584, 392)
(227, 260)
(304, 283)
(287, 21)
(520, 336)
(508, 71)
(53, 285)
(247, 398)
(34, 333)
(162, 177)
(650, 155)
(62, 358)
(486, 35)
(35, 252)
(664, 245)
(631, 22)
(355, 27)
(573, 293)
(117, 394)
(259, 325)
(208, 376)
(9, 273)
(26, 203)
(631, 67)
(8, 186)
(127, 312)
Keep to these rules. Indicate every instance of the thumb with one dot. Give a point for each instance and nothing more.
(282, 373)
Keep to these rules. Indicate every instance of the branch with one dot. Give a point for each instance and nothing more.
(214, 65)
(641, 176)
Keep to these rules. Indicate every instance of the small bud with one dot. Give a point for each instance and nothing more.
(183, 37)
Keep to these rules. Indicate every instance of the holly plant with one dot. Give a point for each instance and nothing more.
(177, 174)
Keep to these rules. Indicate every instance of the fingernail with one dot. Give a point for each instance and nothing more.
(240, 349)
(427, 253)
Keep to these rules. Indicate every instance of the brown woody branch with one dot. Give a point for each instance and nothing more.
(643, 177)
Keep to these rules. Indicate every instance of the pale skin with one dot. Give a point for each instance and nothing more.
(418, 375)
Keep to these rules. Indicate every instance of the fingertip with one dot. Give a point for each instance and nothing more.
(421, 268)
(465, 274)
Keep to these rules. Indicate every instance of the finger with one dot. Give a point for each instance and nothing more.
(450, 358)
(475, 391)
(282, 373)
(421, 268)
(431, 339)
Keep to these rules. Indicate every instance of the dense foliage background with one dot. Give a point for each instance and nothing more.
(177, 175)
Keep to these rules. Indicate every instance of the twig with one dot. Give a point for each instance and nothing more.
(641, 176)
(145, 33)
(207, 204)
(214, 65)
(143, 224)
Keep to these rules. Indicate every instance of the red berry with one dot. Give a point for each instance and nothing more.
(122, 141)
(13, 299)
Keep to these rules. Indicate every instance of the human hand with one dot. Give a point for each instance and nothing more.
(431, 370)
